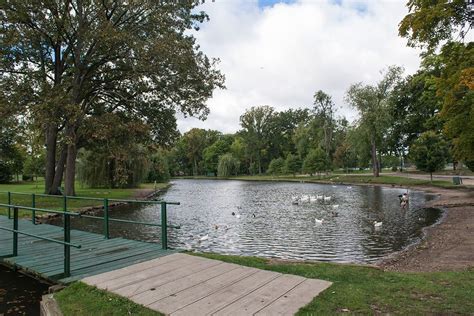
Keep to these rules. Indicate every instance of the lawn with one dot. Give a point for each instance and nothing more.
(355, 289)
(340, 178)
(367, 290)
(83, 300)
(23, 196)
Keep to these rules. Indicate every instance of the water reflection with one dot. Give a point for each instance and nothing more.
(271, 226)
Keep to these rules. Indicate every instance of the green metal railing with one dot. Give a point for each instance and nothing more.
(67, 232)
(106, 206)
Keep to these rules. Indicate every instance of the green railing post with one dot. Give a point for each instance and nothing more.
(9, 194)
(106, 218)
(33, 205)
(64, 208)
(67, 249)
(15, 233)
(164, 230)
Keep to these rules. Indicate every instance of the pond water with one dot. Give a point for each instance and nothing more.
(20, 294)
(270, 225)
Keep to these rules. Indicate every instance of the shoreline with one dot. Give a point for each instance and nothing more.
(447, 245)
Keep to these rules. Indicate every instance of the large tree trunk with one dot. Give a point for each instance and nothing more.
(51, 137)
(375, 163)
(58, 176)
(70, 162)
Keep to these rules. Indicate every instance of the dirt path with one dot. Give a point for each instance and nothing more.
(449, 245)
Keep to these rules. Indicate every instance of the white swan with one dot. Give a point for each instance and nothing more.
(318, 221)
(319, 197)
(377, 224)
(327, 198)
(204, 238)
(335, 206)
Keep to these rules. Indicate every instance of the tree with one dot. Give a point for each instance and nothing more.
(372, 105)
(256, 130)
(316, 161)
(324, 112)
(227, 166)
(429, 23)
(65, 61)
(345, 156)
(292, 164)
(194, 142)
(11, 157)
(212, 153)
(276, 166)
(429, 152)
(444, 25)
(159, 169)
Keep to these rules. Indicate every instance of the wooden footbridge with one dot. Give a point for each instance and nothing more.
(150, 274)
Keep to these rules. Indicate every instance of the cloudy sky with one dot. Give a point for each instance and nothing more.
(279, 53)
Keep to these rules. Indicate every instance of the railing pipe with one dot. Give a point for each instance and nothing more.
(15, 232)
(33, 206)
(9, 195)
(164, 229)
(106, 218)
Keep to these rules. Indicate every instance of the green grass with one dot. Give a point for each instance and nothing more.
(341, 178)
(359, 289)
(81, 299)
(367, 290)
(56, 203)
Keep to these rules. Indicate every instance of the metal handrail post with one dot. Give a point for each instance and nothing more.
(106, 218)
(33, 212)
(15, 234)
(164, 230)
(9, 195)
(67, 249)
(64, 207)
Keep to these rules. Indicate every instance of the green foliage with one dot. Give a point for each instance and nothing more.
(277, 166)
(257, 129)
(64, 62)
(316, 162)
(193, 144)
(212, 153)
(429, 152)
(159, 169)
(34, 166)
(372, 103)
(11, 156)
(228, 165)
(432, 22)
(345, 156)
(292, 164)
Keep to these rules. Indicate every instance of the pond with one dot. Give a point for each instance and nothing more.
(268, 224)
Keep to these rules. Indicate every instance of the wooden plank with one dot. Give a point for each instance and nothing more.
(228, 294)
(110, 266)
(257, 300)
(155, 293)
(195, 293)
(151, 272)
(296, 298)
(163, 278)
(97, 279)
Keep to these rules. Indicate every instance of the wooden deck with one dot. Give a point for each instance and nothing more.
(97, 255)
(181, 284)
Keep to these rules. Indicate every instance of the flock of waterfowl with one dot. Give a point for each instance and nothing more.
(295, 200)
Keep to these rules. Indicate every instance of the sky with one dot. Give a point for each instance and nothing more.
(279, 53)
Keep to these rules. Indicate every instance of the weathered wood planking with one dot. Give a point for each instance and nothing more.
(181, 284)
(97, 255)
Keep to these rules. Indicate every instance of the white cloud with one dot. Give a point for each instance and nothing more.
(281, 55)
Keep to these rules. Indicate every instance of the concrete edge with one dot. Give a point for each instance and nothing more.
(49, 306)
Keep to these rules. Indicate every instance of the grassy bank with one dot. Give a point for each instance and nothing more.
(366, 290)
(56, 203)
(341, 178)
(357, 289)
(81, 299)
